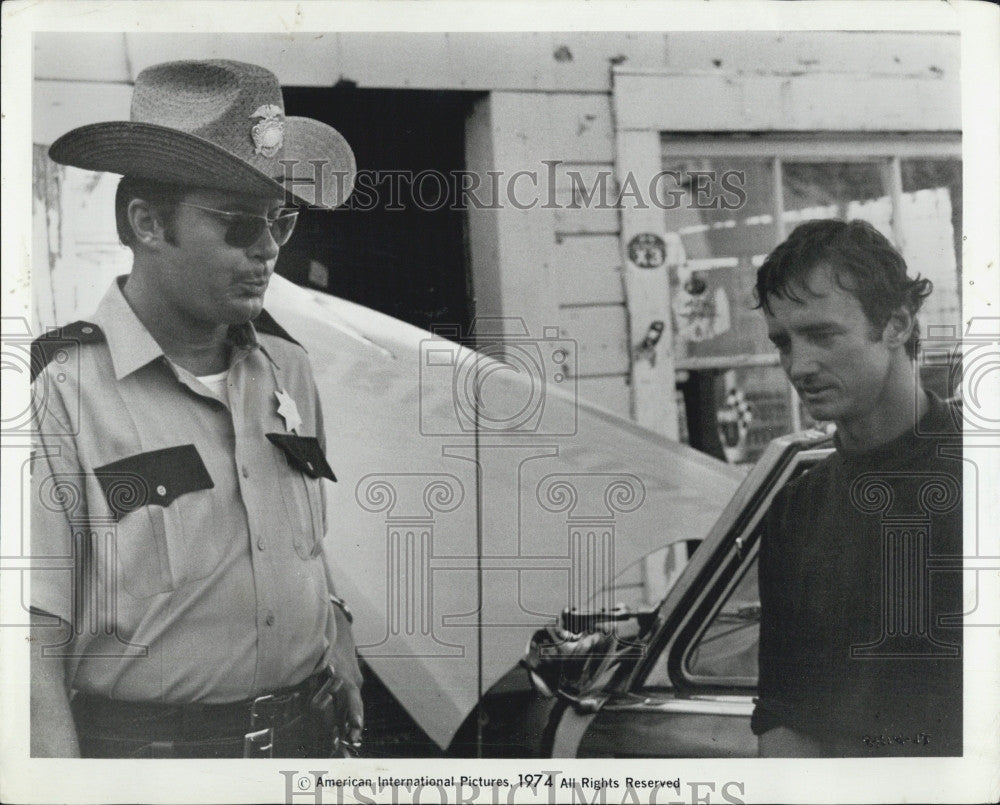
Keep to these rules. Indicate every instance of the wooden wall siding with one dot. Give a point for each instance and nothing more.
(537, 61)
(574, 214)
(520, 140)
(585, 261)
(550, 100)
(59, 106)
(811, 102)
(586, 269)
(599, 332)
(582, 127)
(803, 51)
(647, 292)
(84, 57)
(76, 248)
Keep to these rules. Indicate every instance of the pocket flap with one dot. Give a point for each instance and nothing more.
(157, 477)
(303, 453)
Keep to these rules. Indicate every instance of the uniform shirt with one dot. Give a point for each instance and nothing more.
(181, 541)
(823, 592)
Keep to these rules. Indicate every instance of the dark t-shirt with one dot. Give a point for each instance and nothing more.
(854, 584)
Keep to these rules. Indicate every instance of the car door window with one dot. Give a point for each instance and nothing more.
(716, 642)
(725, 652)
(727, 648)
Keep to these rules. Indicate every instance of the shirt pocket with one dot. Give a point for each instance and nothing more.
(306, 460)
(141, 493)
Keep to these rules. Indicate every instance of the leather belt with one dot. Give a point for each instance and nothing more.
(252, 721)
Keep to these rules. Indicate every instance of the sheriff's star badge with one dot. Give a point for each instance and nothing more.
(289, 411)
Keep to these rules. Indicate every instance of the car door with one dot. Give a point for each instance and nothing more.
(690, 694)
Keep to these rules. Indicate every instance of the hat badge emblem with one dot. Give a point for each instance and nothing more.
(269, 134)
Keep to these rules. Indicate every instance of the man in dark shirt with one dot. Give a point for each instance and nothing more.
(860, 647)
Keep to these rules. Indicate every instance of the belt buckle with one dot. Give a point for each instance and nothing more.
(261, 711)
(259, 742)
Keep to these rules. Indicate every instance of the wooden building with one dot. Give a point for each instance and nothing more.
(629, 185)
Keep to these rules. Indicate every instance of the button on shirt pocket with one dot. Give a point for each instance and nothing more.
(140, 492)
(306, 460)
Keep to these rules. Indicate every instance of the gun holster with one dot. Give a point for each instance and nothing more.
(326, 708)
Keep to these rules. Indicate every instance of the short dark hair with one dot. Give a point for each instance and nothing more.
(163, 197)
(863, 262)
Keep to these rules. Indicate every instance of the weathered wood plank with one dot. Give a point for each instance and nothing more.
(82, 57)
(600, 338)
(586, 197)
(647, 291)
(312, 59)
(398, 59)
(59, 106)
(587, 270)
(549, 61)
(829, 101)
(583, 59)
(884, 52)
(581, 127)
(525, 236)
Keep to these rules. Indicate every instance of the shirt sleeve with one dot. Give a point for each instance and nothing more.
(58, 497)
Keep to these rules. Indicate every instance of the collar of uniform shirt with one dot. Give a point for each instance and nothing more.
(132, 346)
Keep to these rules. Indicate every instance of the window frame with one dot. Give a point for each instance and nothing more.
(713, 578)
(887, 150)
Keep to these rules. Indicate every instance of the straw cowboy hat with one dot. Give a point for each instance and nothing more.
(221, 125)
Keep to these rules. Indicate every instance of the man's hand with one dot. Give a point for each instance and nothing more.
(343, 660)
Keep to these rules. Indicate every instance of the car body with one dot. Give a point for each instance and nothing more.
(676, 681)
(460, 525)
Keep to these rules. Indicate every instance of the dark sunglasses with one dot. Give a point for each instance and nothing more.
(244, 229)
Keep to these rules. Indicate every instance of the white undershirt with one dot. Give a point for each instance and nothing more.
(217, 385)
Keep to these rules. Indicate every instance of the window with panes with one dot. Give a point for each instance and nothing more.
(754, 190)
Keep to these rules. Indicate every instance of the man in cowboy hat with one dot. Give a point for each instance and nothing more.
(181, 462)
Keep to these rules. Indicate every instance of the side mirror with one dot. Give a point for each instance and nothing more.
(568, 659)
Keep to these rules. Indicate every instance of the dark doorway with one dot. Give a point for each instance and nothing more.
(390, 248)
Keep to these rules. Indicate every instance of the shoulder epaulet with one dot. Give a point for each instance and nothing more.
(55, 343)
(265, 323)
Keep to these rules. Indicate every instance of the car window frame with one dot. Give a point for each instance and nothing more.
(716, 567)
(747, 549)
